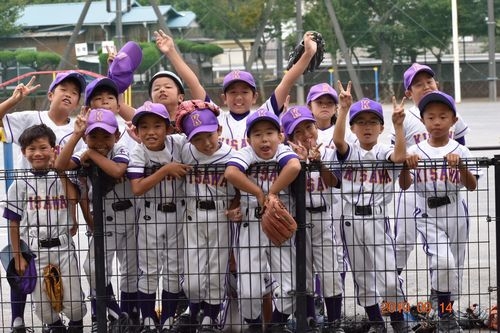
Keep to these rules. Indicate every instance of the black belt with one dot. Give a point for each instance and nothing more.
(48, 243)
(121, 205)
(168, 207)
(362, 210)
(435, 202)
(206, 205)
(319, 209)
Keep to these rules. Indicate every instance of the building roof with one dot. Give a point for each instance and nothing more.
(41, 16)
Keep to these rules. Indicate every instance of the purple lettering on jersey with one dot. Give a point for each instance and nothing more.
(419, 137)
(209, 178)
(315, 185)
(49, 203)
(430, 175)
(378, 176)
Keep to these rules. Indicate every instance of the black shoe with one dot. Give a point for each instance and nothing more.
(278, 328)
(21, 329)
(184, 324)
(120, 324)
(253, 328)
(208, 329)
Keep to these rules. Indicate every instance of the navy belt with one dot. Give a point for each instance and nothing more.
(435, 202)
(206, 205)
(319, 209)
(363, 210)
(48, 243)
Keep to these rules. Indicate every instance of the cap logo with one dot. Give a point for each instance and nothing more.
(147, 106)
(236, 74)
(324, 87)
(195, 118)
(295, 113)
(365, 104)
(261, 112)
(98, 116)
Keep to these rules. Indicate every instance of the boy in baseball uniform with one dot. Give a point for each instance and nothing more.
(38, 199)
(300, 128)
(99, 130)
(209, 197)
(64, 94)
(257, 259)
(438, 170)
(419, 80)
(368, 178)
(156, 174)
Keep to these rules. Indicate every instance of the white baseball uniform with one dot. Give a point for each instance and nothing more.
(255, 254)
(207, 230)
(322, 250)
(441, 213)
(120, 222)
(39, 201)
(404, 227)
(367, 188)
(15, 123)
(160, 240)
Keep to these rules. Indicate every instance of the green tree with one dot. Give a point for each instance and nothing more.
(10, 10)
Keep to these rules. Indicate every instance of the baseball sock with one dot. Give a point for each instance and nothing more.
(76, 323)
(279, 317)
(168, 305)
(374, 313)
(18, 304)
(311, 311)
(128, 303)
(211, 310)
(111, 303)
(333, 307)
(444, 303)
(147, 305)
(194, 309)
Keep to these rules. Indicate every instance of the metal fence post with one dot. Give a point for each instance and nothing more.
(299, 189)
(97, 180)
(496, 163)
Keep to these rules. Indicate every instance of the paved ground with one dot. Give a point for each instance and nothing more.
(483, 118)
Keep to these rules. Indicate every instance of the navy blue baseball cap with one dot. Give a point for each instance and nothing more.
(100, 83)
(439, 97)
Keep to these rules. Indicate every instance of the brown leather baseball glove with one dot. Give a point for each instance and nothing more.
(53, 286)
(277, 223)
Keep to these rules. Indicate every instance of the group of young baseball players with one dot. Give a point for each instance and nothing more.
(187, 183)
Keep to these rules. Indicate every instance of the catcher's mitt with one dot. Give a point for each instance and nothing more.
(277, 223)
(493, 320)
(53, 286)
(299, 50)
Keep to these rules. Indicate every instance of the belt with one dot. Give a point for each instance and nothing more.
(435, 202)
(167, 207)
(121, 205)
(319, 209)
(48, 243)
(206, 205)
(362, 210)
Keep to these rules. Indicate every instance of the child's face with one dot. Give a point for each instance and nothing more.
(152, 131)
(165, 91)
(422, 83)
(39, 153)
(438, 120)
(305, 133)
(239, 97)
(65, 97)
(367, 127)
(105, 100)
(264, 139)
(101, 141)
(323, 108)
(207, 142)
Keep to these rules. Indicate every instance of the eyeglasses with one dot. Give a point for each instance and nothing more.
(367, 122)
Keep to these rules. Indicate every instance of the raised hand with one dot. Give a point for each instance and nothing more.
(314, 154)
(345, 97)
(23, 90)
(81, 121)
(164, 42)
(111, 53)
(310, 44)
(300, 150)
(398, 113)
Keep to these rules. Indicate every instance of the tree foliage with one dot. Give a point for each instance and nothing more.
(10, 10)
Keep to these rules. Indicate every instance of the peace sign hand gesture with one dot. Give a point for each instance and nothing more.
(345, 97)
(398, 113)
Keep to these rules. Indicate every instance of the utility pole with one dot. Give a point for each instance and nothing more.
(71, 43)
(492, 75)
(300, 34)
(119, 25)
(345, 51)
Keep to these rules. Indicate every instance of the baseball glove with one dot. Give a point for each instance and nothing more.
(277, 223)
(493, 320)
(299, 50)
(53, 286)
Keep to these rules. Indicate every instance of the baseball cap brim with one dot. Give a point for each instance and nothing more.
(6, 253)
(290, 128)
(423, 68)
(108, 128)
(317, 95)
(66, 76)
(203, 129)
(375, 112)
(138, 115)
